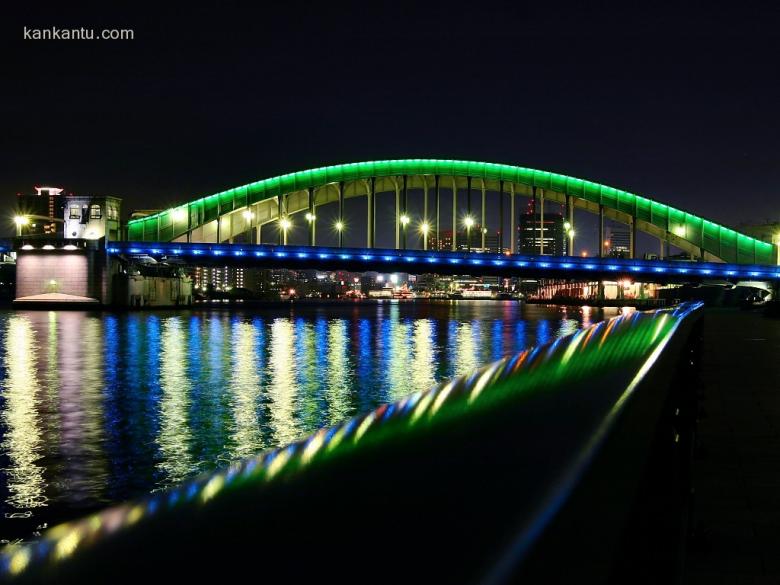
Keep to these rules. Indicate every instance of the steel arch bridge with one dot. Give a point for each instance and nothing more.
(222, 216)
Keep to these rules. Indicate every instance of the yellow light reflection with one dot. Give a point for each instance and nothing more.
(283, 386)
(339, 372)
(245, 392)
(175, 435)
(22, 440)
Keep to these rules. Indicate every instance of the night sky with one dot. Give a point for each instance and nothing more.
(678, 106)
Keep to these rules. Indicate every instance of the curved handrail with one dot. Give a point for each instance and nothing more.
(617, 354)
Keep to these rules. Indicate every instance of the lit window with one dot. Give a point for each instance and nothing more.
(95, 212)
(75, 212)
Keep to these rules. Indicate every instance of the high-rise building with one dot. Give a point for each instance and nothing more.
(532, 233)
(221, 278)
(42, 212)
(444, 243)
(619, 242)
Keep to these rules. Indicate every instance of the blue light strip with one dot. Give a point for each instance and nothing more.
(422, 260)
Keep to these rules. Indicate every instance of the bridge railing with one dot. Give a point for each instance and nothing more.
(563, 463)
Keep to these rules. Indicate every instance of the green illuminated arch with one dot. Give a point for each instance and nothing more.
(682, 229)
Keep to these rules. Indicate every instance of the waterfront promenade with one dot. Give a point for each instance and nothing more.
(737, 473)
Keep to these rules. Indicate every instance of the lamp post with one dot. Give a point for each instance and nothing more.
(340, 230)
(20, 221)
(425, 228)
(570, 233)
(468, 222)
(404, 223)
(311, 218)
(285, 224)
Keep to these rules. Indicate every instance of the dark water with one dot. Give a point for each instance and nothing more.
(99, 407)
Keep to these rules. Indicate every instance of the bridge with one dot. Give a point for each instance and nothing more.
(422, 261)
(243, 212)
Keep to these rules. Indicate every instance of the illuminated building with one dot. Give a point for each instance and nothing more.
(92, 218)
(218, 278)
(619, 242)
(552, 234)
(42, 210)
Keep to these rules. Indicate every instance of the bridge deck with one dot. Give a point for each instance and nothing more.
(737, 478)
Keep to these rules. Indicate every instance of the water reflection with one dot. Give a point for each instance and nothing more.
(175, 433)
(97, 408)
(22, 437)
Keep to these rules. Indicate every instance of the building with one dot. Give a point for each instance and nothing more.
(42, 212)
(218, 278)
(92, 218)
(552, 234)
(444, 243)
(619, 245)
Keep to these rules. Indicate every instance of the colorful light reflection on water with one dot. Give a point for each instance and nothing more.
(98, 408)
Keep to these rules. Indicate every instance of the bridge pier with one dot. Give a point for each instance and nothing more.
(632, 250)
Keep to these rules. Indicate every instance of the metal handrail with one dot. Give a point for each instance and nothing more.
(536, 421)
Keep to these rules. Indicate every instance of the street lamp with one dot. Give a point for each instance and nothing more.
(569, 232)
(468, 222)
(340, 230)
(285, 225)
(425, 228)
(20, 220)
(404, 223)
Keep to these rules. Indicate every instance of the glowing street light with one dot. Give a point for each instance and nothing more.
(310, 217)
(425, 228)
(248, 215)
(285, 224)
(468, 222)
(340, 229)
(179, 214)
(404, 219)
(20, 220)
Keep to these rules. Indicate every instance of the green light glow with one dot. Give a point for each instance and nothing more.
(718, 240)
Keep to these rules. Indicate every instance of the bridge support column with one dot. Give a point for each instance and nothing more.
(370, 211)
(425, 213)
(512, 220)
(312, 215)
(397, 216)
(341, 214)
(501, 217)
(279, 215)
(632, 240)
(438, 211)
(454, 214)
(570, 216)
(404, 217)
(484, 216)
(661, 249)
(602, 245)
(541, 222)
(468, 213)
